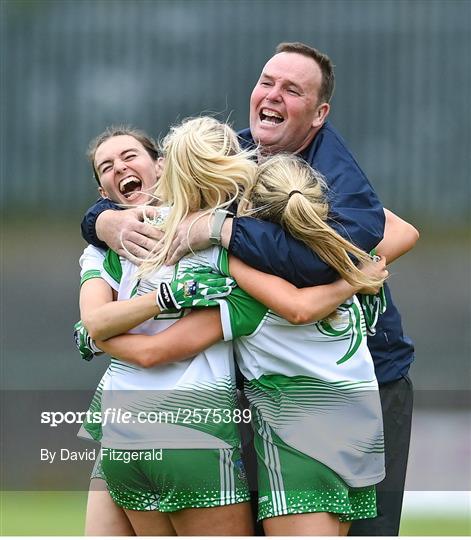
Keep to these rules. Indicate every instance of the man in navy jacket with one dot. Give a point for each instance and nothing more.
(288, 110)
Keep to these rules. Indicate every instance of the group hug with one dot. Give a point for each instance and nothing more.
(237, 281)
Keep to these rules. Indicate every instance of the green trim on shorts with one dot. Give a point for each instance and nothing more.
(169, 480)
(290, 482)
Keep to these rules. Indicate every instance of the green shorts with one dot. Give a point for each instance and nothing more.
(290, 482)
(169, 480)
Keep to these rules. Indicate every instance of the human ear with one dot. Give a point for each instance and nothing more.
(159, 166)
(102, 193)
(320, 115)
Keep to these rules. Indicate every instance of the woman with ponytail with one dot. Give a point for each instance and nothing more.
(289, 192)
(312, 389)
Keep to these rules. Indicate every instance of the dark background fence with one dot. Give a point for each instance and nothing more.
(72, 67)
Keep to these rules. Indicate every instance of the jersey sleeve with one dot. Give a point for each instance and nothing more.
(91, 263)
(222, 262)
(240, 313)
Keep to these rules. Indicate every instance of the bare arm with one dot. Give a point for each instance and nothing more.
(104, 318)
(399, 237)
(298, 306)
(184, 339)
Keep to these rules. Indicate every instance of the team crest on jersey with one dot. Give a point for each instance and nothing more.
(239, 465)
(190, 288)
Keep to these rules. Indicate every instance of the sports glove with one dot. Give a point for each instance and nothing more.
(373, 305)
(198, 288)
(84, 343)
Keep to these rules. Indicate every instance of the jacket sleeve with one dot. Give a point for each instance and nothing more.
(89, 221)
(355, 212)
(267, 247)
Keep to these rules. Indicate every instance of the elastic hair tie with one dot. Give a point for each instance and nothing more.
(291, 193)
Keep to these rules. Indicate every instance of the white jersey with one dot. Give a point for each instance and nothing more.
(314, 385)
(183, 404)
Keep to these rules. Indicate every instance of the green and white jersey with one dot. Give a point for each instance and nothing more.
(313, 384)
(187, 404)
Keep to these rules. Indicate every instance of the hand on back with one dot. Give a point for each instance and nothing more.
(127, 233)
(376, 268)
(192, 234)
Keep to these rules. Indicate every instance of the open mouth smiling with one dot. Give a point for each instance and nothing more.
(130, 187)
(267, 116)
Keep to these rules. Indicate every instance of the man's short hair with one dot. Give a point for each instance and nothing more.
(322, 60)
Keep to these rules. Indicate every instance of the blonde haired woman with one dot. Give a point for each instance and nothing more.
(199, 487)
(182, 172)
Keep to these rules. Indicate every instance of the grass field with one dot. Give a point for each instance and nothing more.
(61, 514)
(435, 526)
(42, 513)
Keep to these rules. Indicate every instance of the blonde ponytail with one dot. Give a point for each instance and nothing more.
(289, 192)
(204, 169)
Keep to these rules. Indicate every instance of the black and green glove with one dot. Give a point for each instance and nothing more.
(84, 343)
(199, 287)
